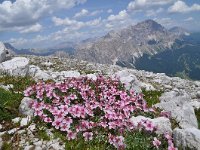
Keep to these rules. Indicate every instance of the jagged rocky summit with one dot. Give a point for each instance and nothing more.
(180, 96)
(125, 46)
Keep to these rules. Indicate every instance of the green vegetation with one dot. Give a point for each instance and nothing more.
(152, 97)
(9, 103)
(87, 71)
(42, 134)
(6, 137)
(19, 83)
(197, 112)
(58, 135)
(99, 143)
(138, 140)
(141, 140)
(10, 100)
(7, 146)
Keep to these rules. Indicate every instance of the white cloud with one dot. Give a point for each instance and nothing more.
(34, 28)
(121, 16)
(189, 19)
(83, 12)
(153, 12)
(94, 13)
(23, 13)
(142, 4)
(109, 11)
(182, 7)
(71, 24)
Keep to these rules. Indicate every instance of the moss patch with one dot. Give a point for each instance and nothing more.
(152, 97)
(19, 83)
(6, 146)
(9, 103)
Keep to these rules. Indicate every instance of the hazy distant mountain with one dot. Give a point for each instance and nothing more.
(64, 48)
(179, 31)
(125, 46)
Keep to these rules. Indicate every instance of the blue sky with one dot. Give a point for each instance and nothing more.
(46, 23)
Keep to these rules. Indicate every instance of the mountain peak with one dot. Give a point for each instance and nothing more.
(151, 24)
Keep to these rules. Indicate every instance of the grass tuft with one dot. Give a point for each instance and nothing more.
(152, 97)
(9, 103)
(197, 112)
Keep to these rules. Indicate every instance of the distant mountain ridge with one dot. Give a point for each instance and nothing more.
(125, 46)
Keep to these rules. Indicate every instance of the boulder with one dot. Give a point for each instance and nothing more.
(163, 124)
(38, 74)
(187, 138)
(42, 75)
(25, 121)
(16, 120)
(67, 74)
(2, 52)
(168, 96)
(198, 94)
(179, 106)
(92, 76)
(195, 104)
(17, 66)
(129, 79)
(147, 86)
(184, 114)
(25, 108)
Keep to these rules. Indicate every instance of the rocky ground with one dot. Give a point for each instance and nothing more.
(180, 97)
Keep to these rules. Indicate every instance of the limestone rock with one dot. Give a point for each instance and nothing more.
(130, 80)
(67, 74)
(181, 110)
(2, 52)
(163, 124)
(38, 74)
(187, 138)
(147, 86)
(195, 104)
(17, 66)
(92, 76)
(16, 120)
(198, 94)
(25, 121)
(24, 107)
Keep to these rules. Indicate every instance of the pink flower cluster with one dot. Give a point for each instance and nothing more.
(78, 106)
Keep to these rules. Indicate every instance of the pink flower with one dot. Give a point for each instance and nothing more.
(64, 109)
(156, 142)
(28, 91)
(168, 136)
(149, 126)
(88, 136)
(71, 135)
(47, 119)
(117, 141)
(85, 105)
(172, 148)
(64, 127)
(56, 123)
